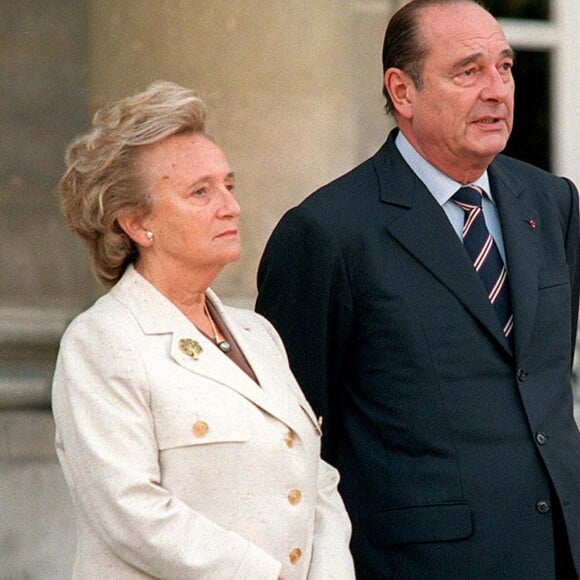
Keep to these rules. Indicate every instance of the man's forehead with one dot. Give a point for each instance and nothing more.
(464, 27)
(465, 16)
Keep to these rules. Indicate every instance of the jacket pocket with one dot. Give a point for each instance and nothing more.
(553, 277)
(419, 524)
(207, 423)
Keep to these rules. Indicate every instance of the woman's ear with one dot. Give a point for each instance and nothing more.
(132, 224)
(400, 87)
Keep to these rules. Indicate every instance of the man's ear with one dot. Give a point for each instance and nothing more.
(400, 87)
(133, 225)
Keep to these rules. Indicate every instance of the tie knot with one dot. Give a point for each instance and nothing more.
(467, 197)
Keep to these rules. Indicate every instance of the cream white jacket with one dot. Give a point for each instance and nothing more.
(183, 468)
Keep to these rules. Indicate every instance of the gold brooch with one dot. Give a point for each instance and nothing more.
(190, 347)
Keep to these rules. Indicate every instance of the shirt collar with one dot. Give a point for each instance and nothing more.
(441, 186)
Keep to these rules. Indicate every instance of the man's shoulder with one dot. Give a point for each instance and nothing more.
(521, 170)
(362, 175)
(534, 179)
(351, 189)
(548, 191)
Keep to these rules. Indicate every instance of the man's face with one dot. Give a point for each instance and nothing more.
(463, 114)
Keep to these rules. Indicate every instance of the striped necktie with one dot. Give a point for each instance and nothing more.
(484, 254)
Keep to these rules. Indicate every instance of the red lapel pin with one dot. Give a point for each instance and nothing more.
(531, 223)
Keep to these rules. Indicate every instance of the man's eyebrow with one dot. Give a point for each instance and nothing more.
(467, 60)
(506, 53)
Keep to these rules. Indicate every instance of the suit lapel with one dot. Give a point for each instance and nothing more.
(521, 248)
(272, 394)
(279, 392)
(158, 315)
(419, 224)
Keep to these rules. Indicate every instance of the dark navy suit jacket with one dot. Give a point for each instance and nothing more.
(458, 451)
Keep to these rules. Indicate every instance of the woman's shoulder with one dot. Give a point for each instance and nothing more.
(105, 317)
(252, 321)
(247, 318)
(243, 315)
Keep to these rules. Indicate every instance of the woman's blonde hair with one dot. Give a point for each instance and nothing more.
(102, 181)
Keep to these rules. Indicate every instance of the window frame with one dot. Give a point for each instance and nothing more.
(561, 40)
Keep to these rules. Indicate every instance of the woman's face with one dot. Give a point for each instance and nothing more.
(195, 217)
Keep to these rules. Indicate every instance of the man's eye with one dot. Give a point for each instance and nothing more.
(200, 192)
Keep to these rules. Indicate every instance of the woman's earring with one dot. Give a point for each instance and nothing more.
(149, 235)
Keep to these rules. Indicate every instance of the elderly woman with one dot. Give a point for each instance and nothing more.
(188, 447)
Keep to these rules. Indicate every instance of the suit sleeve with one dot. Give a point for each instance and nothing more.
(303, 289)
(572, 254)
(107, 447)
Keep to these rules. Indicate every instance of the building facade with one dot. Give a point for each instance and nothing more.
(294, 94)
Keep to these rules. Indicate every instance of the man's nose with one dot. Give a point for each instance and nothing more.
(498, 85)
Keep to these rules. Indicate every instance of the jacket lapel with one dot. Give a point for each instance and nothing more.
(521, 248)
(272, 394)
(279, 392)
(158, 315)
(419, 224)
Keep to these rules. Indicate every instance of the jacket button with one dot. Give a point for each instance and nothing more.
(200, 428)
(295, 556)
(290, 439)
(522, 375)
(295, 496)
(543, 506)
(541, 438)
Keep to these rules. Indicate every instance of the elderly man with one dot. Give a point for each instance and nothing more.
(428, 300)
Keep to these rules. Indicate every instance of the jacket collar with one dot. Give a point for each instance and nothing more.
(156, 315)
(419, 224)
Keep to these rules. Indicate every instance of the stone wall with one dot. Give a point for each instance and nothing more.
(294, 93)
(278, 81)
(294, 100)
(44, 277)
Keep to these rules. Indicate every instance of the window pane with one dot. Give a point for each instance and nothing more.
(530, 139)
(534, 9)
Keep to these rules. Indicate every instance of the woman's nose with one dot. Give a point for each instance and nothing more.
(228, 203)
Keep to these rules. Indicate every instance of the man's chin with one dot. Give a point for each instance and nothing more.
(490, 145)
